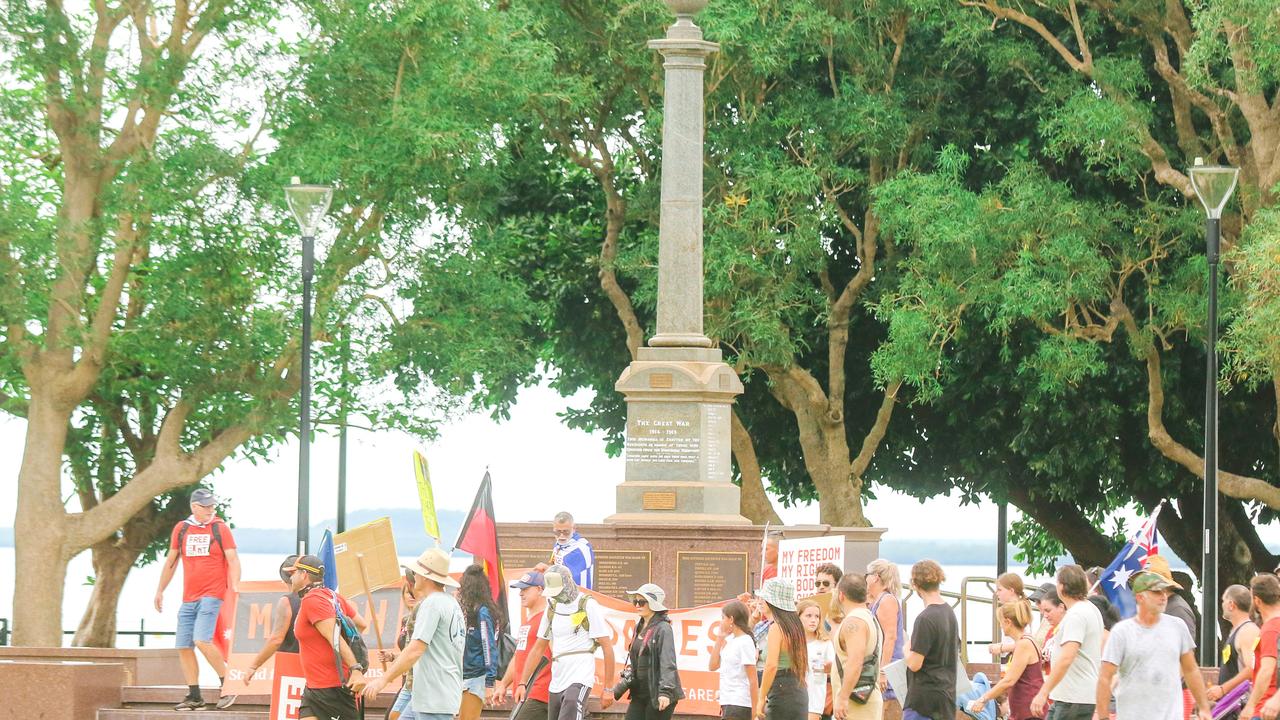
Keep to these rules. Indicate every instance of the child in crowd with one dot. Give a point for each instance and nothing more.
(821, 654)
(734, 656)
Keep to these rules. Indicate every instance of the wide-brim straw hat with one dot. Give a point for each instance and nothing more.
(433, 564)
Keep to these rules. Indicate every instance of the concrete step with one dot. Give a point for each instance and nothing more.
(162, 712)
(173, 694)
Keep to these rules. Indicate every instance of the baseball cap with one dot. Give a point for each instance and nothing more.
(1147, 580)
(203, 497)
(1039, 593)
(310, 563)
(529, 579)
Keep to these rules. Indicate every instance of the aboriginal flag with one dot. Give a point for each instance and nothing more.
(479, 537)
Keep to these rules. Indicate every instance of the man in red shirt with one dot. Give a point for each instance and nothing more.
(210, 569)
(538, 693)
(1263, 700)
(326, 694)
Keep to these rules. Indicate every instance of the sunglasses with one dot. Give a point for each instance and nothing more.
(823, 583)
(639, 602)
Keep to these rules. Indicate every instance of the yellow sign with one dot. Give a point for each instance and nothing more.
(425, 497)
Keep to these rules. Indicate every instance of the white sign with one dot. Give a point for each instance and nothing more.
(799, 559)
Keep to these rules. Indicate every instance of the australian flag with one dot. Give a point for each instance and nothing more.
(1115, 579)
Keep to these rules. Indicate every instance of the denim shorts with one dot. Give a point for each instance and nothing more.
(196, 620)
(475, 686)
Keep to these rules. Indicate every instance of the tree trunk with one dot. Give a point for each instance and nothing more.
(754, 504)
(839, 501)
(111, 566)
(40, 528)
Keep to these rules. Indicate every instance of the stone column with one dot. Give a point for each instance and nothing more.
(680, 226)
(679, 391)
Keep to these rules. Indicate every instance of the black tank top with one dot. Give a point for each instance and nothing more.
(290, 644)
(1230, 666)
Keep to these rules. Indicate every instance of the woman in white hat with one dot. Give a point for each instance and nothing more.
(782, 693)
(651, 676)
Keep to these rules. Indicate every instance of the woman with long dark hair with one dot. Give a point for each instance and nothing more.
(480, 656)
(651, 676)
(782, 694)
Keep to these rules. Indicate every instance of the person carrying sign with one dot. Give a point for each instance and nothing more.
(210, 568)
(333, 682)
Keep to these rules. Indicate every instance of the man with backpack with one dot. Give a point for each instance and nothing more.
(329, 647)
(210, 568)
(575, 628)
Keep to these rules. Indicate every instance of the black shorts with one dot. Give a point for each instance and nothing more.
(336, 703)
(735, 712)
(532, 710)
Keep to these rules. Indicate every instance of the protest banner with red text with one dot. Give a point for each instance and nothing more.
(799, 559)
(287, 687)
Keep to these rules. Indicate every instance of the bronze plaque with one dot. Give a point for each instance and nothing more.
(658, 501)
(709, 577)
(517, 558)
(618, 571)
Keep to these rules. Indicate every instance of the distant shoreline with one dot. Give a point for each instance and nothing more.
(410, 534)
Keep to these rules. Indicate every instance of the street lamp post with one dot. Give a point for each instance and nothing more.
(309, 203)
(1213, 184)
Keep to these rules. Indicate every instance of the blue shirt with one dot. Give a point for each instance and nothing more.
(576, 554)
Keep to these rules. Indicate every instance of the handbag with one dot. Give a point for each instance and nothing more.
(869, 676)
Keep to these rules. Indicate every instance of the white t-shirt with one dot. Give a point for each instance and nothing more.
(734, 687)
(580, 666)
(820, 653)
(1148, 660)
(1082, 624)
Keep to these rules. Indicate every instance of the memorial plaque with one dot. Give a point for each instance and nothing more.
(516, 558)
(659, 501)
(709, 577)
(618, 571)
(664, 439)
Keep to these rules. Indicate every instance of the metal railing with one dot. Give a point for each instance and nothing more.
(142, 633)
(960, 602)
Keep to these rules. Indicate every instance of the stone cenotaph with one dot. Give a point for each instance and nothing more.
(677, 521)
(679, 391)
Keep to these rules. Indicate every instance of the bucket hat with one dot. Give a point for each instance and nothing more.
(653, 594)
(779, 594)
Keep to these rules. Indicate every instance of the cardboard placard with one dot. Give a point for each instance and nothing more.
(378, 545)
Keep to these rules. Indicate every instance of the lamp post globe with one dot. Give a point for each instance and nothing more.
(1213, 184)
(308, 203)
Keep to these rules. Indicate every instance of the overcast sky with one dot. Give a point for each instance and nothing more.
(539, 466)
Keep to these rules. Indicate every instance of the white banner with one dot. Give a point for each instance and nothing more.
(799, 559)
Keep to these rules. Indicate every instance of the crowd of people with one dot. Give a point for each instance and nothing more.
(842, 653)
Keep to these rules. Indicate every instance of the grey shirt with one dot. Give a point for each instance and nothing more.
(1082, 624)
(437, 675)
(1148, 661)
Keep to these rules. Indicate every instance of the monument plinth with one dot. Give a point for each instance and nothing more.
(679, 391)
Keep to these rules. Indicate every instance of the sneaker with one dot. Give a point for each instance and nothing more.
(226, 701)
(189, 704)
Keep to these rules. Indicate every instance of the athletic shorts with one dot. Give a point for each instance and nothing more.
(571, 704)
(735, 712)
(196, 620)
(336, 703)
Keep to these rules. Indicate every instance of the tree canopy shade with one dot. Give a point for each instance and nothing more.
(148, 330)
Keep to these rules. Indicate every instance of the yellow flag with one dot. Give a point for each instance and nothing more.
(425, 497)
